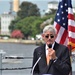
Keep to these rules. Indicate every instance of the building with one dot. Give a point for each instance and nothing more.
(54, 5)
(16, 4)
(73, 4)
(6, 19)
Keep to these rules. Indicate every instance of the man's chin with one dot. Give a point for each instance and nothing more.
(49, 43)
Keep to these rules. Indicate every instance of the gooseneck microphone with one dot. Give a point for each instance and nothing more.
(36, 63)
(50, 45)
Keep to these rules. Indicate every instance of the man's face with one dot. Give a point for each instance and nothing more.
(49, 37)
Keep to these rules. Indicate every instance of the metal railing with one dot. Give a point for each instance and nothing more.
(11, 58)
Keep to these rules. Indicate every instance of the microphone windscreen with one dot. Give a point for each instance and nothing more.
(50, 45)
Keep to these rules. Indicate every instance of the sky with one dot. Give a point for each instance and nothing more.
(42, 4)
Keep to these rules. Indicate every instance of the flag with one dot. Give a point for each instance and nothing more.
(65, 24)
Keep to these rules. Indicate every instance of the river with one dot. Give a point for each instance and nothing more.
(19, 66)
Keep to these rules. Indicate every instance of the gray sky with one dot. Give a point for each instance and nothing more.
(42, 4)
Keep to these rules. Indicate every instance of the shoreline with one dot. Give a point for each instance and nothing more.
(18, 41)
(37, 42)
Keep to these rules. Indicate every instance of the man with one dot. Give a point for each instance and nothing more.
(54, 57)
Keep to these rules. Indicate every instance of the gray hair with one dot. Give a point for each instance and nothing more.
(50, 28)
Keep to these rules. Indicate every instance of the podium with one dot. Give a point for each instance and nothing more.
(47, 74)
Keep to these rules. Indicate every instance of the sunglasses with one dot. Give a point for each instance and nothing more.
(51, 36)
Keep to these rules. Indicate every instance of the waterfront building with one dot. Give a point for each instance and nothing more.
(54, 5)
(6, 19)
(73, 4)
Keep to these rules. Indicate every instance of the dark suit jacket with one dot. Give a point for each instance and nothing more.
(61, 66)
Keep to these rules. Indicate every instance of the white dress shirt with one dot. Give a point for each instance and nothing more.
(46, 48)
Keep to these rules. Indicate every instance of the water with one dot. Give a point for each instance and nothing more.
(19, 50)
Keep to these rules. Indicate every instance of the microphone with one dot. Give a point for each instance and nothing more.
(36, 63)
(50, 45)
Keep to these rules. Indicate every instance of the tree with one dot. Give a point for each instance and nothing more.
(30, 26)
(25, 25)
(28, 9)
(36, 27)
(17, 34)
(12, 25)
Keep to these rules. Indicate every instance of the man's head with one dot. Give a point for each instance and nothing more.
(49, 34)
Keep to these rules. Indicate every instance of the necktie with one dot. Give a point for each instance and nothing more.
(48, 58)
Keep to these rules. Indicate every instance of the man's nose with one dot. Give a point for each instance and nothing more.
(49, 37)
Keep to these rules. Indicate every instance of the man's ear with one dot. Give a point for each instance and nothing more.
(55, 36)
(42, 36)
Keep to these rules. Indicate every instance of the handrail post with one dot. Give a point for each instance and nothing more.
(1, 54)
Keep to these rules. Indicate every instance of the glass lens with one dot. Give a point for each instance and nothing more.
(51, 36)
(47, 36)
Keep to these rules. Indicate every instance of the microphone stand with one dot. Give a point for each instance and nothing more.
(35, 65)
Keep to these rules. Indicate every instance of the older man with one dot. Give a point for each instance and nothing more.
(54, 57)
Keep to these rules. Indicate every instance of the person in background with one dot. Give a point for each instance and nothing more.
(54, 57)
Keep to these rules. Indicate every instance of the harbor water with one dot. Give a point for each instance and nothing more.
(19, 66)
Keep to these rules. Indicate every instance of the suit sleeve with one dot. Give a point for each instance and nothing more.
(63, 64)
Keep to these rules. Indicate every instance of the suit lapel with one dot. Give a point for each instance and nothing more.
(56, 46)
(44, 55)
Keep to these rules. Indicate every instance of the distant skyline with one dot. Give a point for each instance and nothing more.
(42, 4)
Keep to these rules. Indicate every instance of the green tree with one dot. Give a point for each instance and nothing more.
(30, 26)
(12, 25)
(36, 27)
(28, 9)
(25, 25)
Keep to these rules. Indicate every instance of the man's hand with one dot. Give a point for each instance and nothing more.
(51, 53)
